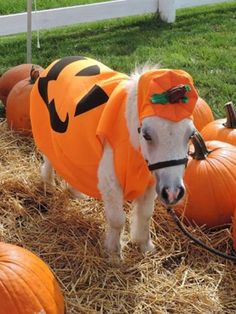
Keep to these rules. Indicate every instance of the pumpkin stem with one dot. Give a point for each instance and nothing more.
(173, 95)
(34, 74)
(230, 115)
(200, 149)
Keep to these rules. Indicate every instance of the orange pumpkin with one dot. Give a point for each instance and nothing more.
(222, 129)
(234, 229)
(13, 76)
(210, 179)
(27, 285)
(202, 114)
(18, 104)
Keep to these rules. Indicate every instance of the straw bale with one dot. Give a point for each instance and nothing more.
(178, 277)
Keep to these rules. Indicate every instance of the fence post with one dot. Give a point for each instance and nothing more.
(167, 10)
(29, 31)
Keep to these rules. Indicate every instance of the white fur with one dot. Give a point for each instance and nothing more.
(140, 220)
(169, 141)
(47, 172)
(112, 197)
(131, 112)
(47, 175)
(76, 194)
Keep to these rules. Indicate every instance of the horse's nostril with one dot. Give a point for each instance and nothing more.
(164, 194)
(181, 193)
(170, 196)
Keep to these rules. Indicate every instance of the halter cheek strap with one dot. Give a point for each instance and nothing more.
(168, 163)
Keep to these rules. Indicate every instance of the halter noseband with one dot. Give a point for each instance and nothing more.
(168, 163)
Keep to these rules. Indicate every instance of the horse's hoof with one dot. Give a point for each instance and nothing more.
(147, 246)
(47, 177)
(76, 194)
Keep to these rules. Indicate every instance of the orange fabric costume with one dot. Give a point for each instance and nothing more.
(78, 102)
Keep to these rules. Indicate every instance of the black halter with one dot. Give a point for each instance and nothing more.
(168, 163)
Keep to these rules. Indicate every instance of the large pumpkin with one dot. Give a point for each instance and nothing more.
(234, 229)
(202, 114)
(18, 104)
(13, 76)
(27, 286)
(210, 179)
(222, 129)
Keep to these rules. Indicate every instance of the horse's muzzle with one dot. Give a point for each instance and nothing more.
(170, 196)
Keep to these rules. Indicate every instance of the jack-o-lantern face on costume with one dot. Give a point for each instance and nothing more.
(50, 85)
(78, 102)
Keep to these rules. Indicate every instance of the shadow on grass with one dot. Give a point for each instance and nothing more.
(120, 38)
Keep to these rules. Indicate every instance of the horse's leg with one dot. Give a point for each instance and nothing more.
(75, 193)
(112, 197)
(46, 170)
(47, 174)
(140, 220)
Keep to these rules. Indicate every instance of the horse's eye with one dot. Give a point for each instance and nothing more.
(147, 136)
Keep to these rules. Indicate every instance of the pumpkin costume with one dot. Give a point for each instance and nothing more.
(78, 102)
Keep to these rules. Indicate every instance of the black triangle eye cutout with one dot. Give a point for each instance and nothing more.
(89, 71)
(94, 98)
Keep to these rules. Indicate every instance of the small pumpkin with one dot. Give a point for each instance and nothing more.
(13, 76)
(202, 114)
(27, 285)
(18, 104)
(210, 180)
(222, 129)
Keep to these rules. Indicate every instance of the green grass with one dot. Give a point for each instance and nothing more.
(202, 42)
(16, 6)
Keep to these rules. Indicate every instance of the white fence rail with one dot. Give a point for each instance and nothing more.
(192, 3)
(45, 19)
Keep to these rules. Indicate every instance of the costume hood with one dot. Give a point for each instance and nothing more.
(160, 91)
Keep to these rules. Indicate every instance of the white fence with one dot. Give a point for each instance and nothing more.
(45, 19)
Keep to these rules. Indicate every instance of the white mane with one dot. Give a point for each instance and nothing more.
(131, 113)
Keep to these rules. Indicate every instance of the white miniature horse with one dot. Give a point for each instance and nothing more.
(164, 145)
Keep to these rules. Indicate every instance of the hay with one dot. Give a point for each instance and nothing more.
(68, 234)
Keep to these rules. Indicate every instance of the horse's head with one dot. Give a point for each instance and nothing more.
(164, 145)
(165, 101)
